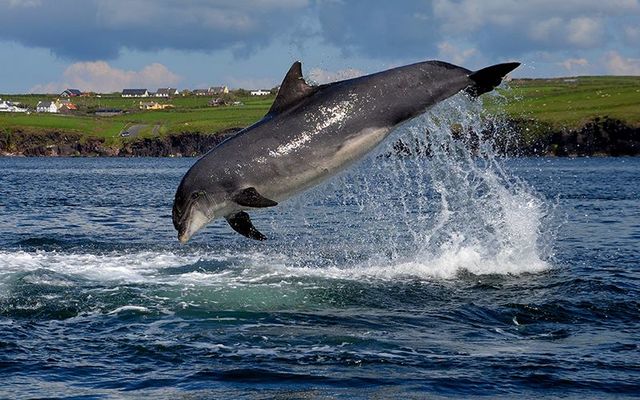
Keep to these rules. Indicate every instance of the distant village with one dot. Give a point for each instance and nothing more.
(64, 103)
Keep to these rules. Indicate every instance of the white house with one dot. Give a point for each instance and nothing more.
(218, 90)
(8, 106)
(47, 106)
(71, 93)
(260, 92)
(135, 93)
(166, 92)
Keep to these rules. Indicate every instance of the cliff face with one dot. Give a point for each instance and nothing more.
(74, 144)
(600, 137)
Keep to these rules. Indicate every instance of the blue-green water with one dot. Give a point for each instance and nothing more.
(402, 278)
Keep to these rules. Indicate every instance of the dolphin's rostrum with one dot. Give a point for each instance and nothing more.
(309, 134)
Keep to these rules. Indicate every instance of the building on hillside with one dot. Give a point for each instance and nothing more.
(9, 106)
(47, 107)
(218, 90)
(71, 93)
(67, 108)
(259, 92)
(166, 92)
(152, 105)
(201, 92)
(135, 93)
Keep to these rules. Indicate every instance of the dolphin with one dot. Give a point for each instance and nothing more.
(309, 134)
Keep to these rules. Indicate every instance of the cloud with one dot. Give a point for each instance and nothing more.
(249, 83)
(454, 54)
(321, 76)
(100, 77)
(585, 32)
(573, 65)
(619, 65)
(632, 35)
(511, 28)
(94, 29)
(545, 32)
(379, 29)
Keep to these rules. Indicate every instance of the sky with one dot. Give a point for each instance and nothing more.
(47, 46)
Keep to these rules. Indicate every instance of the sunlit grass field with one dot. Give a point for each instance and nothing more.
(558, 102)
(571, 102)
(190, 114)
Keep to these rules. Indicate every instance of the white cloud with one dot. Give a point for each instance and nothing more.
(21, 3)
(619, 65)
(545, 29)
(534, 25)
(321, 76)
(453, 54)
(99, 76)
(585, 32)
(575, 65)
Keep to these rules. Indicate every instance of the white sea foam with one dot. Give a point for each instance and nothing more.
(129, 267)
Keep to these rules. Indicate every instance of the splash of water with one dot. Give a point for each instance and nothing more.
(459, 209)
(392, 216)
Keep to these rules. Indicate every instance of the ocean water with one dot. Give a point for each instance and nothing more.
(458, 275)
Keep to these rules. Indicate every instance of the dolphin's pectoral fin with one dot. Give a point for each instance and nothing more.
(241, 223)
(250, 197)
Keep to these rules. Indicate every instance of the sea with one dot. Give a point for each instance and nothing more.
(460, 274)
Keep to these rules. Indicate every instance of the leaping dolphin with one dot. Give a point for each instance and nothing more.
(310, 134)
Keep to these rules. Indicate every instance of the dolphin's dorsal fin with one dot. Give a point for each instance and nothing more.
(292, 90)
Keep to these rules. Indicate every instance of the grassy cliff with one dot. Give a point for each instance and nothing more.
(572, 102)
(542, 111)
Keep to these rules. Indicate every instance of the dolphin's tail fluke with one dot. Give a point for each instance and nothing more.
(486, 79)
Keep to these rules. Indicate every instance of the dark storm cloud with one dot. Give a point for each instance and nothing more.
(92, 29)
(380, 29)
(386, 30)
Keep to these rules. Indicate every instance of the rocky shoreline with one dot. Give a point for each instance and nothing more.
(599, 137)
(65, 144)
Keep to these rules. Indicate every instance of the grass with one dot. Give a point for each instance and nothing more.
(571, 102)
(190, 114)
(559, 103)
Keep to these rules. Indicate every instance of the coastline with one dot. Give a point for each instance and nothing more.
(598, 137)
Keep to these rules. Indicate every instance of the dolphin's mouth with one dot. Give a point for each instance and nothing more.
(191, 222)
(183, 238)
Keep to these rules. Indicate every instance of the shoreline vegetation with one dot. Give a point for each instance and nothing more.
(583, 116)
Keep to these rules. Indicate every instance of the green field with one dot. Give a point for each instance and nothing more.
(190, 114)
(559, 102)
(571, 102)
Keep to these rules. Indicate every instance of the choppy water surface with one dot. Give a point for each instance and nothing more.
(450, 276)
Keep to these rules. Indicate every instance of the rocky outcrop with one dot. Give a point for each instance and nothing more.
(74, 144)
(599, 137)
